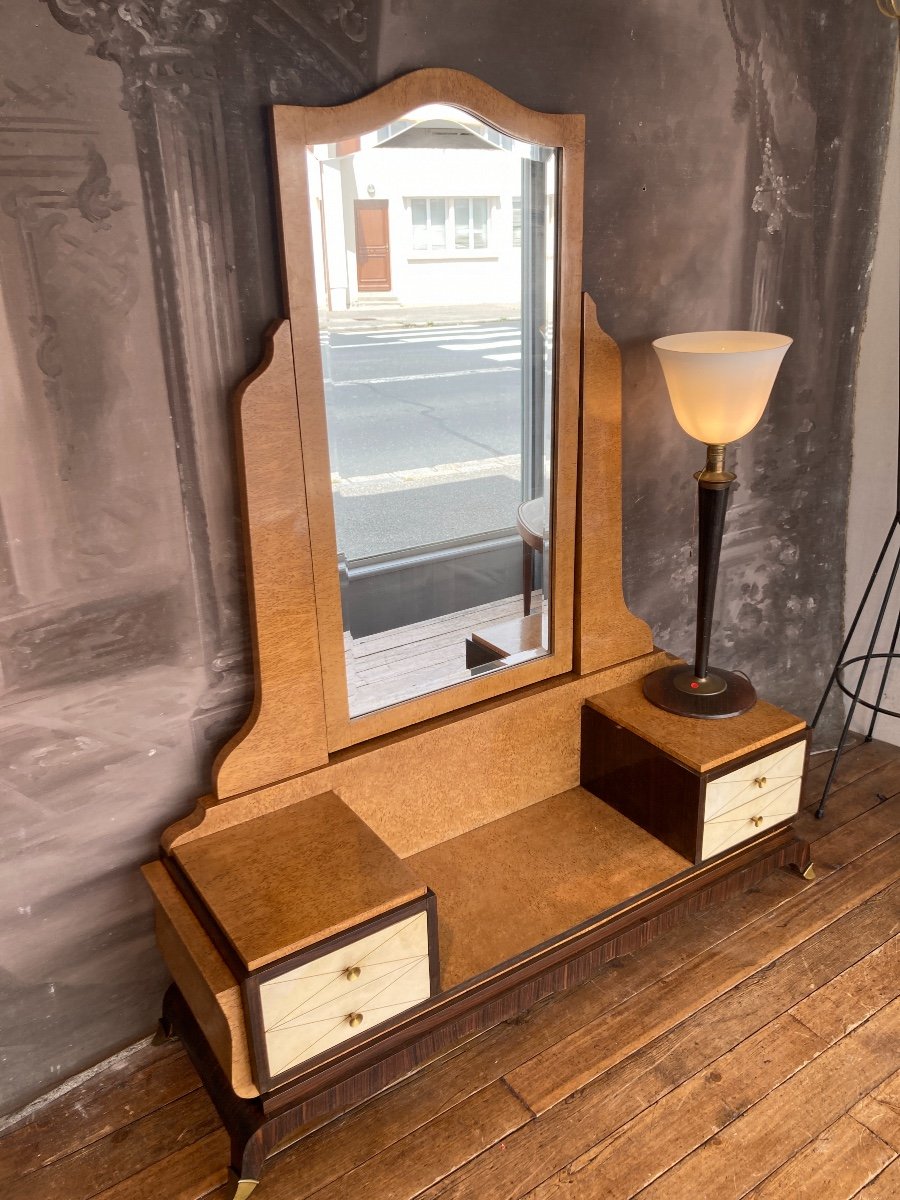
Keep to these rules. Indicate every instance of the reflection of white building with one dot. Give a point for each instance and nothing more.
(425, 211)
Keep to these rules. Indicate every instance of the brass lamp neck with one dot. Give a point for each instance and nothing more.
(714, 473)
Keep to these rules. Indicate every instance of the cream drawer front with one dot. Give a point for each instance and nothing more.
(777, 801)
(318, 1005)
(760, 780)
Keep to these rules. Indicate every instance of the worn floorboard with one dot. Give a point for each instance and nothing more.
(753, 1051)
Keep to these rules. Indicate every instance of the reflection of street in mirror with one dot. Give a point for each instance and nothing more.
(435, 251)
(422, 408)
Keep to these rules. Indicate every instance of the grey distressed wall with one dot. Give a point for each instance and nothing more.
(734, 160)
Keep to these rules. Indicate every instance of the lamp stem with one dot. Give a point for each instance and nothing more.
(701, 693)
(714, 484)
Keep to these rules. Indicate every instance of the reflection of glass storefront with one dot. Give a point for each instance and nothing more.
(436, 414)
(423, 195)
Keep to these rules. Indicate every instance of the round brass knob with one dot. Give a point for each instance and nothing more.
(757, 821)
(354, 1019)
(760, 781)
(352, 972)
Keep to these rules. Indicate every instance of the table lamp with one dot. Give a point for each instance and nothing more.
(719, 384)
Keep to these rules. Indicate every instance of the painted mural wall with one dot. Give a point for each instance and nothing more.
(734, 163)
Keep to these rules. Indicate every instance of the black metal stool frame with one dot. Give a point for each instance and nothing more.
(866, 659)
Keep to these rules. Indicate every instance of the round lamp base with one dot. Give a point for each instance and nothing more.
(720, 694)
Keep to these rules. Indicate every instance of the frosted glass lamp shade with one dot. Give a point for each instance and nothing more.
(719, 382)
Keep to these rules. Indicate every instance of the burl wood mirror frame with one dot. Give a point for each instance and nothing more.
(294, 130)
(300, 715)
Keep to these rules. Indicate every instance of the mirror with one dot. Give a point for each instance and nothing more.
(434, 249)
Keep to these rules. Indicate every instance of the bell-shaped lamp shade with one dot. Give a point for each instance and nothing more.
(719, 382)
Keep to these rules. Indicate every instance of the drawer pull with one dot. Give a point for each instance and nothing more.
(757, 821)
(760, 781)
(354, 1019)
(352, 973)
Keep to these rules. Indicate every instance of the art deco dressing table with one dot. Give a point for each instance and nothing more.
(405, 845)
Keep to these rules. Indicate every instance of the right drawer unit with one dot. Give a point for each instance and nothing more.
(696, 788)
(752, 798)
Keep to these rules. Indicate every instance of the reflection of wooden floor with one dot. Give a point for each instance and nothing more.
(386, 668)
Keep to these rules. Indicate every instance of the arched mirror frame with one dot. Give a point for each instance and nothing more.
(300, 716)
(295, 129)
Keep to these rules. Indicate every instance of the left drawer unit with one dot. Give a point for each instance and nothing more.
(329, 934)
(339, 991)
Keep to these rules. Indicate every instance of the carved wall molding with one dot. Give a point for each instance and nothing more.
(172, 92)
(782, 189)
(167, 44)
(54, 248)
(76, 556)
(202, 171)
(781, 142)
(351, 22)
(309, 30)
(157, 43)
(93, 197)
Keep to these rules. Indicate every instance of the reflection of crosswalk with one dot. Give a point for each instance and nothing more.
(436, 333)
(471, 339)
(495, 343)
(418, 378)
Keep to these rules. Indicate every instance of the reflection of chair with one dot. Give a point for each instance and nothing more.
(530, 521)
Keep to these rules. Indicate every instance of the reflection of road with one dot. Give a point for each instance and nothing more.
(425, 433)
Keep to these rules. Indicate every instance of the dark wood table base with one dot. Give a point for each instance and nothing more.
(257, 1127)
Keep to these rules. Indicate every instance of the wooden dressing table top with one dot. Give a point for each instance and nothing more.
(293, 877)
(518, 882)
(700, 745)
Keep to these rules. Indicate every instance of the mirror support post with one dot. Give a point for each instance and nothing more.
(534, 323)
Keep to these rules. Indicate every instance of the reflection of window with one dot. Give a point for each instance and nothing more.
(455, 222)
(470, 221)
(429, 220)
(517, 220)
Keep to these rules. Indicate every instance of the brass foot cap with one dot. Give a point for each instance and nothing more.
(242, 1187)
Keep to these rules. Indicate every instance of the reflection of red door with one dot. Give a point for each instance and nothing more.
(373, 248)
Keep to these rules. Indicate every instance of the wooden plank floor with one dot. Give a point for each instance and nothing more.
(754, 1051)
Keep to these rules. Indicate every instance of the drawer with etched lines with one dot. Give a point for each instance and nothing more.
(752, 799)
(760, 778)
(316, 1001)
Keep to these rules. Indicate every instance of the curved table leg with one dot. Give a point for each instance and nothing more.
(248, 1157)
(164, 1033)
(803, 864)
(244, 1120)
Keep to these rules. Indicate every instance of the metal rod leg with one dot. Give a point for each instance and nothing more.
(855, 622)
(820, 811)
(876, 711)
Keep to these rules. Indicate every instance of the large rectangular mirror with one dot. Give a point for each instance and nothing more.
(435, 256)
